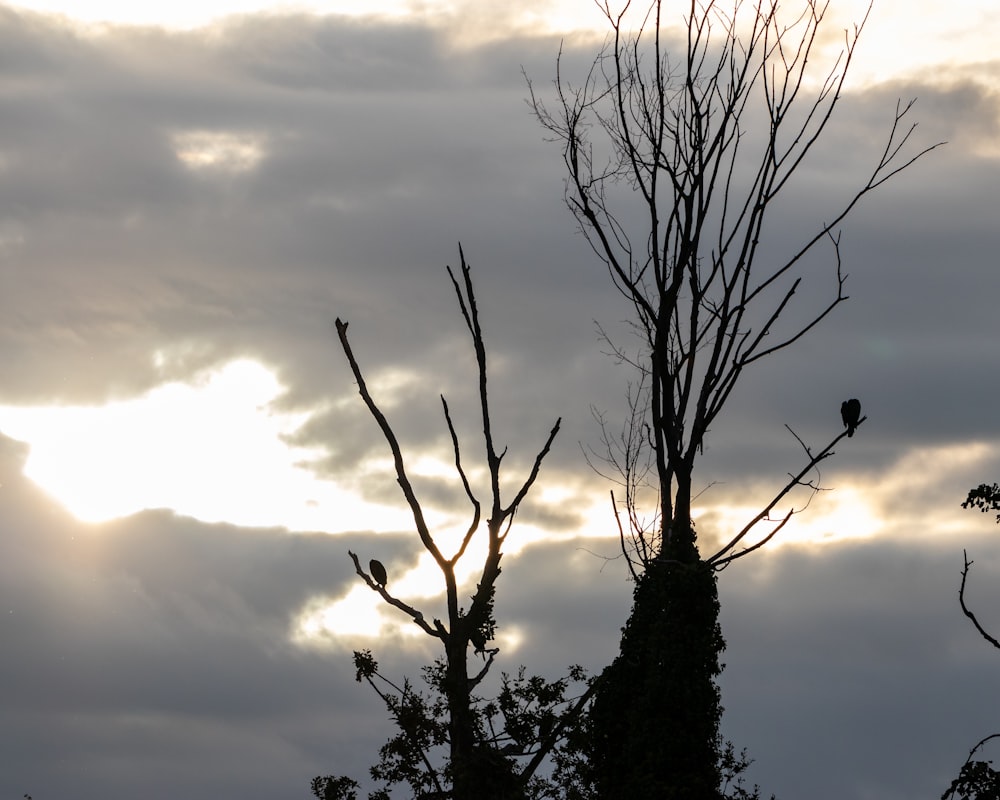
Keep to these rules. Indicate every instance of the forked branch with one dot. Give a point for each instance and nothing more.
(463, 626)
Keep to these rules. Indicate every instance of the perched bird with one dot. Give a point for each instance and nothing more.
(378, 572)
(850, 412)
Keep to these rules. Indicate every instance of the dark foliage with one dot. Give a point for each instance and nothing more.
(985, 497)
(656, 713)
(977, 780)
(528, 719)
(331, 787)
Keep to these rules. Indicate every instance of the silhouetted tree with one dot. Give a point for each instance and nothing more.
(450, 742)
(675, 161)
(977, 780)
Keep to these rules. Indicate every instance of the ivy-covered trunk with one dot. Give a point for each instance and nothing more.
(655, 719)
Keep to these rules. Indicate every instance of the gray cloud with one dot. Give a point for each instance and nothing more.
(877, 687)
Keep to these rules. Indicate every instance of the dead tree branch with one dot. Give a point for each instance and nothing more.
(463, 627)
(965, 609)
(725, 556)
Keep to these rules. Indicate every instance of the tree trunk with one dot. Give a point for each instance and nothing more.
(656, 716)
(461, 730)
(478, 771)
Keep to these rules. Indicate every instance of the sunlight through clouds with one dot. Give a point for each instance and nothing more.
(846, 512)
(210, 448)
(219, 150)
(539, 16)
(362, 612)
(180, 14)
(901, 36)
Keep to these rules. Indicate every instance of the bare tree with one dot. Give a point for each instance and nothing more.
(480, 753)
(967, 611)
(677, 154)
(977, 780)
(675, 163)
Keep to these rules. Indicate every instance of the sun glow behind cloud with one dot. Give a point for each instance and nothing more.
(211, 448)
(901, 34)
(901, 37)
(360, 612)
(219, 150)
(836, 516)
(831, 516)
(537, 16)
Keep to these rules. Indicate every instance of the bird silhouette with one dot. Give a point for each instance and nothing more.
(850, 412)
(378, 572)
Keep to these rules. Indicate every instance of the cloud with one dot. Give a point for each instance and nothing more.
(157, 640)
(877, 683)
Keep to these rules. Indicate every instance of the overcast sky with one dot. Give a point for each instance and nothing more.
(187, 202)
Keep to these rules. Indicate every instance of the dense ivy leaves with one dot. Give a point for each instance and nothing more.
(636, 752)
